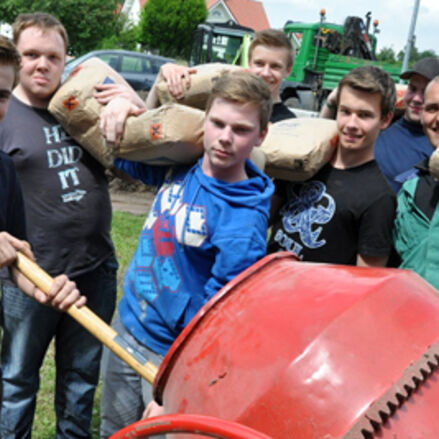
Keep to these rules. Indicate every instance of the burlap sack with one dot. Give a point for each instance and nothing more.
(75, 108)
(201, 85)
(172, 134)
(296, 149)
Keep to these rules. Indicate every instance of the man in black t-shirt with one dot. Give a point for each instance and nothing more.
(344, 213)
(68, 213)
(12, 217)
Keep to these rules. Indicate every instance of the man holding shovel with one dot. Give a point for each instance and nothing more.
(68, 210)
(63, 292)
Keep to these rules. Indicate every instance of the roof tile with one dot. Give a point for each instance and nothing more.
(250, 13)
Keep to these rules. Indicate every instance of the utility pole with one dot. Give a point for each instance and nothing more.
(410, 38)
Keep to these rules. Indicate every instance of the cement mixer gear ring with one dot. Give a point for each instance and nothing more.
(383, 408)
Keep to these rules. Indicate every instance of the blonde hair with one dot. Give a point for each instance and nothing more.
(9, 56)
(42, 21)
(244, 87)
(273, 38)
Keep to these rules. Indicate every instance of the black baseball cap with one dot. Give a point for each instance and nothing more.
(427, 67)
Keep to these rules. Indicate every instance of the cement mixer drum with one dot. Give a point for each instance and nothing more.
(302, 350)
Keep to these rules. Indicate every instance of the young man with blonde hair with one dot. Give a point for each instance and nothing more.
(271, 56)
(68, 212)
(207, 224)
(344, 213)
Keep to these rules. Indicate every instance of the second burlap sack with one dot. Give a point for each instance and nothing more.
(170, 134)
(201, 85)
(296, 149)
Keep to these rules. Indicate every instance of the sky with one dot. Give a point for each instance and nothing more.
(394, 18)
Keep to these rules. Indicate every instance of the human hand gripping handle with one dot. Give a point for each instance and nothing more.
(90, 321)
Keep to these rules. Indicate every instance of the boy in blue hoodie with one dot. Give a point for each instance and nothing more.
(207, 224)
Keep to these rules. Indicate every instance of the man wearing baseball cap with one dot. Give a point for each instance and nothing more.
(403, 145)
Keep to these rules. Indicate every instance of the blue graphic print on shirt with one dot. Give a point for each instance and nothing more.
(311, 206)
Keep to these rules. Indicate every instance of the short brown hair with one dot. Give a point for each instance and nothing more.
(243, 87)
(42, 21)
(273, 38)
(371, 79)
(9, 56)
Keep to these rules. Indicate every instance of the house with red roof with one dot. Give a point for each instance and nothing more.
(249, 13)
(132, 9)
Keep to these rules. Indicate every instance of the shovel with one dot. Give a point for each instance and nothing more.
(90, 321)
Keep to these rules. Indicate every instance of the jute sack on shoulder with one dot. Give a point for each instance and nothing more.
(170, 134)
(201, 85)
(296, 149)
(75, 108)
(166, 135)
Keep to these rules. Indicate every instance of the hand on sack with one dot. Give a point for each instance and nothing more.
(107, 92)
(113, 118)
(177, 77)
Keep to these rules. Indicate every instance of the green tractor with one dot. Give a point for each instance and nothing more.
(325, 52)
(221, 42)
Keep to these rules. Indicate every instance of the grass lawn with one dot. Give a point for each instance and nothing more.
(126, 229)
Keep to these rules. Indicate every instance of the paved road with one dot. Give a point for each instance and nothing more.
(137, 203)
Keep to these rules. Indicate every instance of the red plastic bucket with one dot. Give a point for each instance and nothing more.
(303, 350)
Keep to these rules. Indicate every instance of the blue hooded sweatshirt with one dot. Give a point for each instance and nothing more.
(199, 234)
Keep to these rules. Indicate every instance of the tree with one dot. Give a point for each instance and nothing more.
(125, 36)
(415, 55)
(168, 25)
(86, 21)
(387, 55)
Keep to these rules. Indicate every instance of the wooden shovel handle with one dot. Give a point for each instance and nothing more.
(90, 321)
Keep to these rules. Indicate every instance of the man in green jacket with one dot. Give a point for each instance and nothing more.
(416, 232)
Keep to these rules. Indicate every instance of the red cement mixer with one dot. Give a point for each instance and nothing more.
(299, 350)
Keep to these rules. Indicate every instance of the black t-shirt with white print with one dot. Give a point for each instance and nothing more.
(335, 215)
(66, 198)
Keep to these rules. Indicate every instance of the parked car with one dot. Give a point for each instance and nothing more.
(138, 69)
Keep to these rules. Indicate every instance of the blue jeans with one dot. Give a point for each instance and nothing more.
(124, 393)
(28, 329)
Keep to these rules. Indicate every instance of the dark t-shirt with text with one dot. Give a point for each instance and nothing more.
(65, 192)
